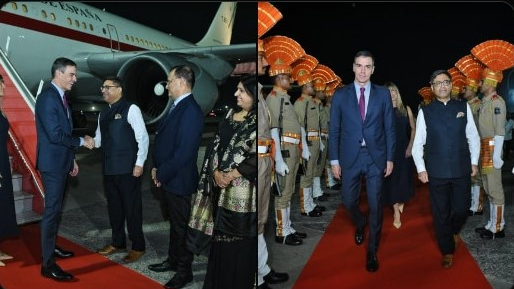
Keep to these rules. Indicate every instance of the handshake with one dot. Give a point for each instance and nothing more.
(89, 142)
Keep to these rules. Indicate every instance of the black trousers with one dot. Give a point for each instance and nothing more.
(450, 199)
(125, 203)
(179, 209)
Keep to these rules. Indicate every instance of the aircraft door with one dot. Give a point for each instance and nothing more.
(113, 35)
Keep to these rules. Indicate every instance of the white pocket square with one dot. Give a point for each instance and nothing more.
(460, 114)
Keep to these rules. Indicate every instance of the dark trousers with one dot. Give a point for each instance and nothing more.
(450, 199)
(54, 185)
(351, 190)
(179, 209)
(125, 203)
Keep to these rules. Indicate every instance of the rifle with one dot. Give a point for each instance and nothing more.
(275, 189)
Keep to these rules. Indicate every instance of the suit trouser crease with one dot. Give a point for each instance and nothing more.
(179, 209)
(55, 186)
(450, 199)
(351, 195)
(125, 204)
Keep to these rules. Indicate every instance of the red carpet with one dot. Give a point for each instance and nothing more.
(408, 257)
(91, 269)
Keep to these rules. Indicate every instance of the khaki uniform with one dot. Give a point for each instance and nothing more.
(290, 141)
(491, 122)
(477, 189)
(264, 161)
(308, 111)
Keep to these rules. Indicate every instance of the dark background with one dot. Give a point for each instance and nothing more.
(189, 21)
(409, 40)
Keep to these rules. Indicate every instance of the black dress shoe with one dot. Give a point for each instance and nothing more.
(290, 239)
(58, 252)
(163, 266)
(372, 262)
(320, 208)
(335, 187)
(480, 230)
(313, 213)
(488, 235)
(359, 233)
(472, 213)
(178, 281)
(55, 272)
(300, 235)
(274, 277)
(321, 198)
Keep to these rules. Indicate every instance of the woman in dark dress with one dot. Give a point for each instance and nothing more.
(8, 225)
(399, 186)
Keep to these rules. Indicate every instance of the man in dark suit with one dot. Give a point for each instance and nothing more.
(362, 142)
(55, 159)
(176, 145)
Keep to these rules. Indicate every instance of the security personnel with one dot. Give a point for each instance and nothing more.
(491, 126)
(266, 149)
(477, 189)
(286, 130)
(319, 88)
(307, 109)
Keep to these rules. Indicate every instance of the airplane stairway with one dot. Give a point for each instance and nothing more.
(19, 105)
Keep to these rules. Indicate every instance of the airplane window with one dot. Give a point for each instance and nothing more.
(103, 30)
(24, 8)
(77, 23)
(132, 38)
(14, 6)
(43, 13)
(127, 37)
(84, 26)
(52, 16)
(91, 27)
(69, 21)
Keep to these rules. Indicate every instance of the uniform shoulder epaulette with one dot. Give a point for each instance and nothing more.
(273, 93)
(496, 96)
(301, 98)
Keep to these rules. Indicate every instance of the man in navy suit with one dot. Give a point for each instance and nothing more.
(362, 142)
(55, 159)
(176, 145)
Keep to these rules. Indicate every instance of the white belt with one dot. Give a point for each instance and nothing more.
(312, 133)
(262, 149)
(290, 140)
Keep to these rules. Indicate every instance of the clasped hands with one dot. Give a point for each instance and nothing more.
(89, 142)
(223, 179)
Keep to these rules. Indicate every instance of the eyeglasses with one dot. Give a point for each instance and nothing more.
(107, 86)
(439, 83)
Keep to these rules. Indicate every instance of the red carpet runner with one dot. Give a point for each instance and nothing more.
(408, 257)
(92, 269)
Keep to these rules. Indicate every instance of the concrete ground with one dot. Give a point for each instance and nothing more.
(85, 222)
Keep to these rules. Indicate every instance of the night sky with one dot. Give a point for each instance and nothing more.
(409, 40)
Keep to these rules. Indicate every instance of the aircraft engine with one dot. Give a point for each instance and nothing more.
(140, 75)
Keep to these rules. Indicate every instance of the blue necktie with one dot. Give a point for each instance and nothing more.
(171, 108)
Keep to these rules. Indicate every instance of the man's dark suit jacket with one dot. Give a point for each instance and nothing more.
(347, 129)
(176, 145)
(55, 144)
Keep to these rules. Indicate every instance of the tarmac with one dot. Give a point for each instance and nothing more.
(86, 223)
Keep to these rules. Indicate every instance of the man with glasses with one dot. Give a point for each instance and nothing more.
(446, 148)
(121, 132)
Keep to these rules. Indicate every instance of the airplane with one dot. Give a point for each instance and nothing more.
(34, 34)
